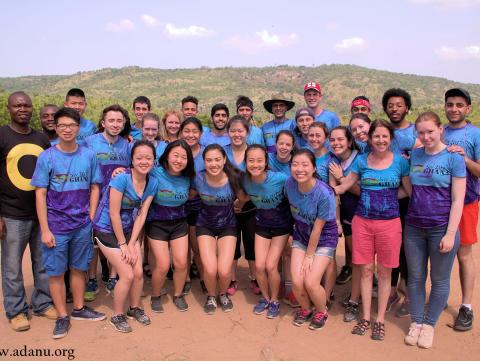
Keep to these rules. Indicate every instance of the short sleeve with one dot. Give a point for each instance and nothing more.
(356, 165)
(151, 188)
(404, 167)
(41, 175)
(459, 168)
(335, 120)
(120, 182)
(96, 174)
(476, 145)
(326, 206)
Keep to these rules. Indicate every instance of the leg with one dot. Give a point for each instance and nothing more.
(179, 254)
(467, 272)
(195, 250)
(226, 251)
(57, 290)
(274, 253)
(329, 277)
(161, 254)
(366, 278)
(298, 283)
(312, 283)
(208, 252)
(137, 285)
(384, 286)
(77, 280)
(262, 246)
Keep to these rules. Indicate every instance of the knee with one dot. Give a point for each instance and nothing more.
(224, 272)
(138, 274)
(311, 283)
(209, 271)
(161, 268)
(260, 267)
(271, 267)
(367, 271)
(180, 265)
(464, 255)
(384, 273)
(127, 276)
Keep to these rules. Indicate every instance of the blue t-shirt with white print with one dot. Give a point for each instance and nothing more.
(136, 133)
(68, 178)
(467, 137)
(270, 130)
(129, 206)
(329, 118)
(379, 188)
(431, 178)
(306, 208)
(87, 128)
(109, 156)
(217, 204)
(269, 199)
(277, 166)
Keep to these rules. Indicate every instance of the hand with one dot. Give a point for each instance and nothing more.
(3, 229)
(126, 255)
(447, 242)
(307, 264)
(133, 251)
(336, 171)
(238, 205)
(48, 239)
(456, 149)
(118, 171)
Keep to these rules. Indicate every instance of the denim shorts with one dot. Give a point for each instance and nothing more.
(72, 250)
(320, 251)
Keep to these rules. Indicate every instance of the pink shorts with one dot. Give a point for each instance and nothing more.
(382, 237)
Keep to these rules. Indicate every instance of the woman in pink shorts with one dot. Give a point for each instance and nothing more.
(376, 227)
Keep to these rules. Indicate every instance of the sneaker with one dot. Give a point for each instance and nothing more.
(403, 311)
(412, 336)
(204, 288)
(210, 305)
(344, 276)
(87, 314)
(392, 300)
(156, 304)
(112, 281)
(255, 287)
(187, 287)
(138, 314)
(273, 309)
(464, 321)
(120, 323)
(50, 313)
(302, 316)
(290, 300)
(425, 340)
(225, 302)
(232, 288)
(261, 306)
(62, 325)
(347, 299)
(319, 320)
(180, 302)
(20, 322)
(69, 297)
(163, 291)
(352, 312)
(91, 290)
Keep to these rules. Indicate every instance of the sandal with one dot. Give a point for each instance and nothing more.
(378, 331)
(361, 327)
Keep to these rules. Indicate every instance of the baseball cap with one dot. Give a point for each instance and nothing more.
(458, 92)
(312, 85)
(304, 111)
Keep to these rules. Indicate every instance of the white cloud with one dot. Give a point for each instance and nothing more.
(452, 53)
(275, 40)
(447, 3)
(351, 45)
(259, 42)
(192, 31)
(149, 21)
(122, 25)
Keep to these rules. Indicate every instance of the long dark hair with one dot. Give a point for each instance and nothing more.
(253, 147)
(348, 135)
(189, 170)
(310, 156)
(234, 175)
(141, 143)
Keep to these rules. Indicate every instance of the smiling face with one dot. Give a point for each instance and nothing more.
(113, 123)
(312, 98)
(237, 133)
(150, 129)
(303, 124)
(256, 162)
(429, 133)
(214, 162)
(172, 125)
(20, 108)
(279, 109)
(220, 119)
(302, 168)
(189, 109)
(139, 109)
(457, 109)
(142, 159)
(191, 134)
(246, 112)
(77, 103)
(396, 109)
(67, 129)
(284, 146)
(381, 139)
(316, 138)
(177, 160)
(46, 118)
(360, 129)
(339, 142)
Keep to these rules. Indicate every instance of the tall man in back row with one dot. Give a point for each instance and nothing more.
(312, 92)
(76, 99)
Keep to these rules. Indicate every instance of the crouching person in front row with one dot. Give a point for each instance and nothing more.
(67, 194)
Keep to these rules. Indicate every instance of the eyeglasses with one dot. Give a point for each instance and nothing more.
(67, 126)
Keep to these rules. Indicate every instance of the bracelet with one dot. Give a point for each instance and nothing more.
(340, 177)
(122, 244)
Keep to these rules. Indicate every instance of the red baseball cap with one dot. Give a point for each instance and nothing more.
(312, 85)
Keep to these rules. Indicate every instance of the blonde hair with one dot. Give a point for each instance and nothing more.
(162, 131)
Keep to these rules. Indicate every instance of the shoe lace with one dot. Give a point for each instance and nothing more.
(303, 312)
(224, 299)
(211, 301)
(318, 316)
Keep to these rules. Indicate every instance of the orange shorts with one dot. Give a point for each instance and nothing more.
(468, 224)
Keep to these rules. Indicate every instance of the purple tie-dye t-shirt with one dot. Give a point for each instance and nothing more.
(379, 188)
(306, 208)
(431, 178)
(67, 177)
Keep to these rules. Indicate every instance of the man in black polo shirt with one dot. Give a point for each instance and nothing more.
(20, 146)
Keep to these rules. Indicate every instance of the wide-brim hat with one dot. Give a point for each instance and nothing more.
(268, 104)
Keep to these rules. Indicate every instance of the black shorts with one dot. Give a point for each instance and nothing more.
(219, 233)
(108, 239)
(347, 229)
(166, 230)
(192, 216)
(269, 232)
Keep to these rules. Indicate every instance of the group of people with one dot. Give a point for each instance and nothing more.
(400, 195)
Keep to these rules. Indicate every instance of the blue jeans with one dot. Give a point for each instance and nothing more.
(420, 245)
(19, 234)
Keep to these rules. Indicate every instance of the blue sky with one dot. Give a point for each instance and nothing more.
(426, 37)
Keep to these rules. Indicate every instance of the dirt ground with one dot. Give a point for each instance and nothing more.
(238, 335)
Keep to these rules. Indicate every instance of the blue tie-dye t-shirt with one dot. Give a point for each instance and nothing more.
(109, 156)
(87, 128)
(217, 204)
(364, 147)
(129, 206)
(68, 178)
(467, 137)
(211, 138)
(379, 188)
(255, 136)
(270, 130)
(196, 203)
(231, 158)
(306, 208)
(329, 118)
(431, 178)
(171, 196)
(404, 140)
(322, 164)
(277, 166)
(269, 199)
(136, 133)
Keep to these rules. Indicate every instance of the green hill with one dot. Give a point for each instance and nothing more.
(165, 88)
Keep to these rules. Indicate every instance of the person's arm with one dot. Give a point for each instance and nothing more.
(3, 229)
(94, 199)
(116, 221)
(405, 189)
(346, 183)
(139, 222)
(41, 203)
(458, 189)
(242, 198)
(472, 166)
(312, 245)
